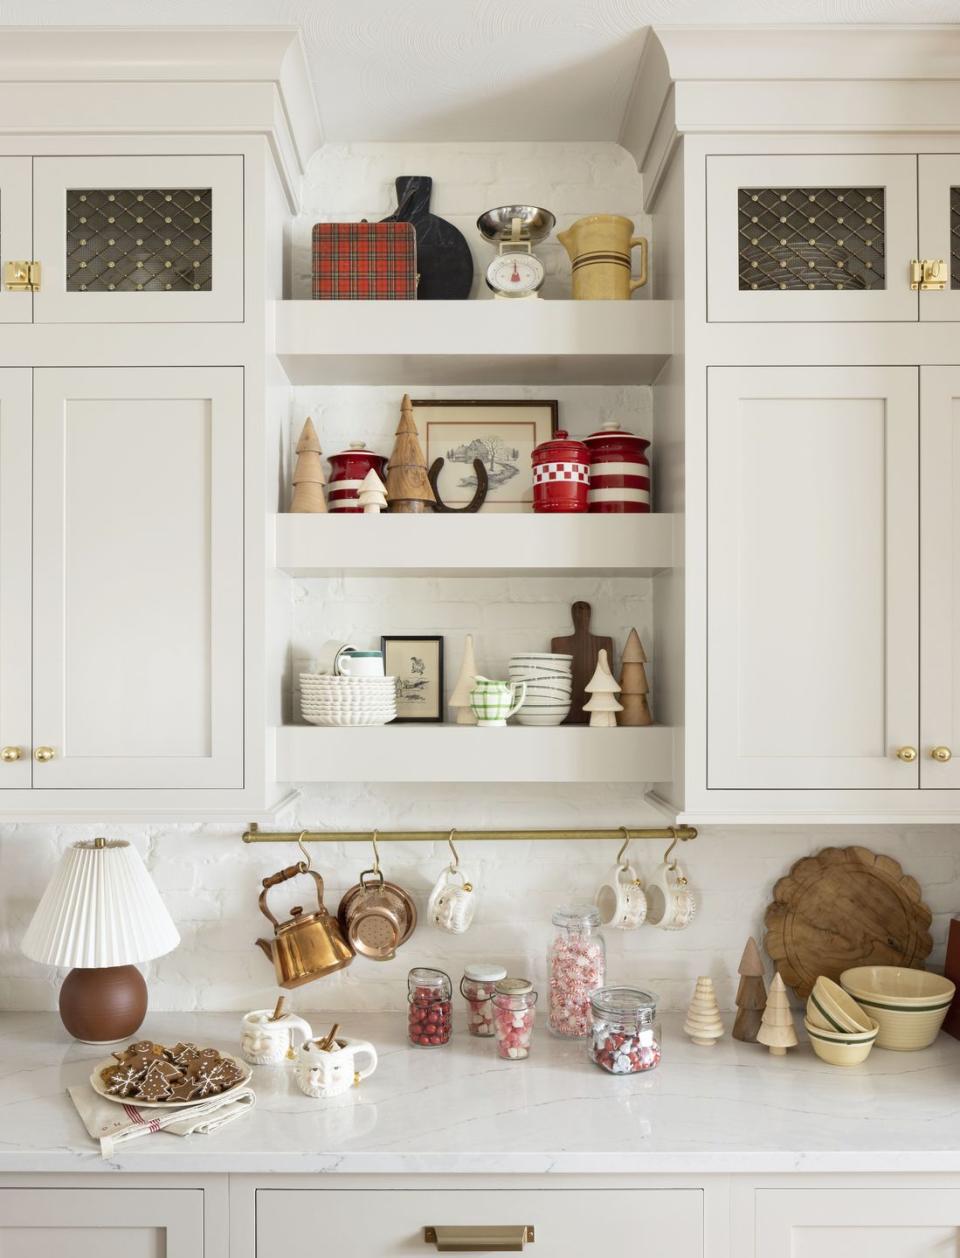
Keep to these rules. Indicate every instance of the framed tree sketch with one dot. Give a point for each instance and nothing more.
(502, 434)
(417, 664)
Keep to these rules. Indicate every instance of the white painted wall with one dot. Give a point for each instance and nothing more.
(210, 882)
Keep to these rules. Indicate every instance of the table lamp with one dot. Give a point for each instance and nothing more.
(101, 914)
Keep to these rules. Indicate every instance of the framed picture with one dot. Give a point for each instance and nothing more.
(417, 663)
(502, 434)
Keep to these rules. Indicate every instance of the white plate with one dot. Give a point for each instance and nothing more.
(347, 721)
(101, 1088)
(325, 679)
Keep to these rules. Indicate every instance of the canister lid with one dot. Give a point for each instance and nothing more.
(484, 972)
(514, 986)
(561, 447)
(611, 431)
(619, 1002)
(576, 915)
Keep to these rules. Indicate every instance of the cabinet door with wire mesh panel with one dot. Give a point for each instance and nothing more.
(939, 203)
(138, 239)
(822, 238)
(16, 243)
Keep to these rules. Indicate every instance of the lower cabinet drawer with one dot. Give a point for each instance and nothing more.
(839, 1223)
(566, 1224)
(101, 1223)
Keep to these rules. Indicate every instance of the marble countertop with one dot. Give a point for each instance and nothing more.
(730, 1108)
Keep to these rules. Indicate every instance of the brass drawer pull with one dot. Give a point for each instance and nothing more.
(9, 755)
(491, 1238)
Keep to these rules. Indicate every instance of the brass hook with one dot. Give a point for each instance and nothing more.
(623, 846)
(676, 840)
(305, 865)
(456, 856)
(376, 853)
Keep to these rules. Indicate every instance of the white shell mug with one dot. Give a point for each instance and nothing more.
(452, 903)
(621, 899)
(264, 1042)
(323, 1073)
(671, 905)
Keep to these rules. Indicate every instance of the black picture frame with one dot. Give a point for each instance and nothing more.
(433, 684)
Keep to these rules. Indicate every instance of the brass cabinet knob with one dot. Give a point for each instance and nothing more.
(907, 754)
(943, 754)
(9, 754)
(43, 754)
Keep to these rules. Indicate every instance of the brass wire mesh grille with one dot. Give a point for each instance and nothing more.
(139, 240)
(811, 238)
(955, 237)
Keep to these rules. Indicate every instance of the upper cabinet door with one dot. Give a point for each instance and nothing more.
(15, 446)
(800, 238)
(142, 239)
(138, 577)
(812, 578)
(16, 235)
(939, 202)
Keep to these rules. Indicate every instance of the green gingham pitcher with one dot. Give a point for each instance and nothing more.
(493, 701)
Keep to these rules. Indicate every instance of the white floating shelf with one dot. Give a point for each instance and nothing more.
(484, 544)
(459, 753)
(410, 343)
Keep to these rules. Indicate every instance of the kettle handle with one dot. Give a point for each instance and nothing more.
(284, 876)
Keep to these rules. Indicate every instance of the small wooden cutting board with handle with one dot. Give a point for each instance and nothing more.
(585, 647)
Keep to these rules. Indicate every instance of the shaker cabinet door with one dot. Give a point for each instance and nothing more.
(841, 1222)
(939, 231)
(15, 458)
(812, 578)
(101, 1222)
(16, 235)
(138, 577)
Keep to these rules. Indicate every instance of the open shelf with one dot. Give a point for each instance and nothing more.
(464, 753)
(485, 544)
(409, 343)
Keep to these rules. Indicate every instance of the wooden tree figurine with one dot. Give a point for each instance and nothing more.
(776, 1025)
(373, 494)
(460, 699)
(602, 689)
(703, 1023)
(751, 994)
(634, 686)
(408, 486)
(308, 477)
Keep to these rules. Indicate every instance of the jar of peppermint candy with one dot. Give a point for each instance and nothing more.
(576, 967)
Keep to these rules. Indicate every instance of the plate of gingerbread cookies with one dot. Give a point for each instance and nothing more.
(153, 1076)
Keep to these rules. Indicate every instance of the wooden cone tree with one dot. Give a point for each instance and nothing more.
(634, 686)
(751, 994)
(373, 494)
(703, 1023)
(602, 689)
(460, 699)
(776, 1026)
(408, 486)
(308, 477)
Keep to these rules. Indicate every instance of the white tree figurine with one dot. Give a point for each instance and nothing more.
(703, 1023)
(602, 689)
(373, 494)
(776, 1028)
(460, 699)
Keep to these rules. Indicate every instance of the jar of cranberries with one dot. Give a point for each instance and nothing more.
(430, 996)
(625, 1036)
(576, 966)
(476, 987)
(514, 1009)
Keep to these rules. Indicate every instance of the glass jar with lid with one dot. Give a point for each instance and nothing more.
(514, 1010)
(476, 987)
(430, 996)
(576, 966)
(625, 1034)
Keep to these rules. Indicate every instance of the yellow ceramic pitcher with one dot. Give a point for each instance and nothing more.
(599, 247)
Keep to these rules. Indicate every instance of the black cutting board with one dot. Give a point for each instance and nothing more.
(444, 260)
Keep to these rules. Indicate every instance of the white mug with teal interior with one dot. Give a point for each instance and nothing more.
(493, 702)
(354, 663)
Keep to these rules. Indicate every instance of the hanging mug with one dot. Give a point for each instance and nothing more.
(452, 903)
(621, 899)
(265, 1041)
(323, 1073)
(671, 905)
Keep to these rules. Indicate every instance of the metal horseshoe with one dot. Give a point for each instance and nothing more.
(475, 502)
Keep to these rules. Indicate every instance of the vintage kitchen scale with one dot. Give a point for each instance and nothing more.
(516, 271)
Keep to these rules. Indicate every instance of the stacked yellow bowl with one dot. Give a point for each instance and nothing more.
(909, 1005)
(841, 1033)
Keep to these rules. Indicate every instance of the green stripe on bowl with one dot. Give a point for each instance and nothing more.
(829, 1016)
(831, 1039)
(879, 1004)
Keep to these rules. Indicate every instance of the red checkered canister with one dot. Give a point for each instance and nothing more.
(347, 470)
(561, 472)
(619, 470)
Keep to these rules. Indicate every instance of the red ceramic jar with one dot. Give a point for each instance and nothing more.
(347, 470)
(561, 470)
(619, 470)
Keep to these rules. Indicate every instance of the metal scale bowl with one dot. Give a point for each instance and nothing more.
(515, 229)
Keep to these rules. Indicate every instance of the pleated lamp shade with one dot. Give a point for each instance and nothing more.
(101, 909)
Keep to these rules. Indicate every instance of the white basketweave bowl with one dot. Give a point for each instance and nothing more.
(346, 721)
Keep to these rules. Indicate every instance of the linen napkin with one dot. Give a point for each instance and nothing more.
(112, 1123)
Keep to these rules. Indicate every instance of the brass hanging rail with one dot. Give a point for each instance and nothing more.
(255, 835)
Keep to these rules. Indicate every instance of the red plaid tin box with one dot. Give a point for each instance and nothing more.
(364, 262)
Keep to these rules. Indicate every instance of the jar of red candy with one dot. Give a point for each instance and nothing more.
(476, 987)
(625, 1037)
(514, 1009)
(430, 996)
(576, 967)
(561, 474)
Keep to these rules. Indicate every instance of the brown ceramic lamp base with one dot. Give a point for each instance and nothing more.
(103, 1006)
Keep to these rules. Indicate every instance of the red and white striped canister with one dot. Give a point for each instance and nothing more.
(561, 473)
(619, 470)
(347, 470)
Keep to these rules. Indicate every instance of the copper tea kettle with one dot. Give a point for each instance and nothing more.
(307, 946)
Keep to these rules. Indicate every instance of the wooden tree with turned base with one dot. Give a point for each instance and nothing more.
(751, 994)
(703, 1023)
(602, 689)
(634, 686)
(408, 486)
(776, 1026)
(308, 477)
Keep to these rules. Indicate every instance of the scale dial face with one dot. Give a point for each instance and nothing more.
(515, 274)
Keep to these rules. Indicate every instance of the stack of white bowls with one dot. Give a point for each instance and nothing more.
(329, 700)
(549, 682)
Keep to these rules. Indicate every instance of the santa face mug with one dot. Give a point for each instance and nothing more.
(671, 904)
(452, 902)
(323, 1073)
(264, 1042)
(621, 899)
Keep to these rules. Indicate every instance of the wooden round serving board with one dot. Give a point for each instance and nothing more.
(846, 906)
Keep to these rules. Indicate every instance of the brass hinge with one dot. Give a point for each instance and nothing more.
(928, 274)
(22, 277)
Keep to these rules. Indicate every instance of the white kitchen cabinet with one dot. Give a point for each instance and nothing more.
(567, 1224)
(938, 200)
(101, 1222)
(138, 578)
(16, 234)
(835, 1223)
(15, 577)
(812, 578)
(138, 239)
